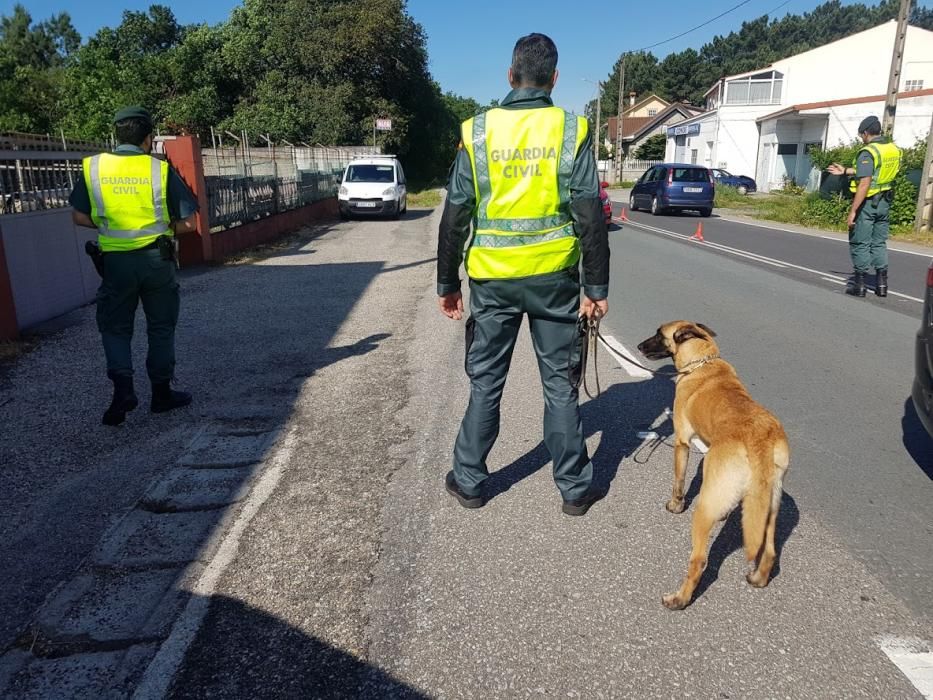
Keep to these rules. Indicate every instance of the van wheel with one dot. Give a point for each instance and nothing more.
(397, 214)
(344, 216)
(631, 203)
(656, 207)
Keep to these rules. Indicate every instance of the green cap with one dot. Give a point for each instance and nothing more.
(134, 112)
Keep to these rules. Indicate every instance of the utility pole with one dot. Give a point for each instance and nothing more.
(924, 219)
(618, 149)
(599, 109)
(894, 78)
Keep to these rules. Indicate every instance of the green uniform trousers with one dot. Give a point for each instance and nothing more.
(868, 238)
(128, 278)
(551, 302)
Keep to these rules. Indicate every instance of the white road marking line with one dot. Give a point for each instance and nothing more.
(618, 350)
(833, 279)
(760, 258)
(914, 659)
(819, 235)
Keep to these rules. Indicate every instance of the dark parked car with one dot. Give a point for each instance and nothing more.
(742, 183)
(674, 187)
(923, 381)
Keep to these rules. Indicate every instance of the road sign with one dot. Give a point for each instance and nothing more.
(384, 125)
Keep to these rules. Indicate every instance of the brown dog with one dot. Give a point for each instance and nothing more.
(748, 451)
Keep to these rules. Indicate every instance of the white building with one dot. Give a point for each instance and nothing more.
(762, 123)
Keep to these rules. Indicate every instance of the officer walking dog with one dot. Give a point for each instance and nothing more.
(748, 452)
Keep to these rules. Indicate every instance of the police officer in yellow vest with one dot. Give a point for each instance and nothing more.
(525, 179)
(137, 203)
(876, 166)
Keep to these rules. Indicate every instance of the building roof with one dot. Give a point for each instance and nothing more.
(806, 106)
(634, 127)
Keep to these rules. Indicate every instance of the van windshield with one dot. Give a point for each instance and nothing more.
(371, 173)
(690, 175)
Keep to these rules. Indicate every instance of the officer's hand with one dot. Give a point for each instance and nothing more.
(452, 305)
(836, 169)
(851, 221)
(593, 309)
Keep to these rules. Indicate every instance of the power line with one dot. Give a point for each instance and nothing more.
(710, 21)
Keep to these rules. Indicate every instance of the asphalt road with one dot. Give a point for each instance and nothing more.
(347, 571)
(837, 370)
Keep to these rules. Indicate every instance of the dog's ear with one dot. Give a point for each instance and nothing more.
(712, 333)
(688, 332)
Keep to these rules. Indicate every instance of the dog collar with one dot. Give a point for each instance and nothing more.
(699, 363)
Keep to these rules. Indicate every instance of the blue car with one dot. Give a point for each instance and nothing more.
(742, 183)
(674, 187)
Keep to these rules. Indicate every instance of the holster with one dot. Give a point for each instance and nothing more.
(167, 248)
(92, 248)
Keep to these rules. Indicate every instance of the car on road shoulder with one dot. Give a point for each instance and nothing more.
(674, 187)
(607, 204)
(923, 381)
(373, 185)
(742, 183)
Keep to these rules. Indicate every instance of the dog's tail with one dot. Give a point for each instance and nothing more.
(760, 506)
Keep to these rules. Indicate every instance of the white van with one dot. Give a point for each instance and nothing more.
(373, 185)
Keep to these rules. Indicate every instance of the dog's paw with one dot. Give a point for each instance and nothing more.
(675, 506)
(756, 580)
(673, 602)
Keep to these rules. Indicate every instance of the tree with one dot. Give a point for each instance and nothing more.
(32, 57)
(653, 148)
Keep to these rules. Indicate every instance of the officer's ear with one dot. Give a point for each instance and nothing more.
(512, 78)
(554, 78)
(147, 144)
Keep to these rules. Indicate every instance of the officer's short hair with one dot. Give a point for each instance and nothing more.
(870, 125)
(132, 131)
(534, 60)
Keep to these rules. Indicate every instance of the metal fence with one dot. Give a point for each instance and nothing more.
(39, 172)
(246, 182)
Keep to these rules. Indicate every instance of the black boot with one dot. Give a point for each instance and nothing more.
(164, 398)
(856, 286)
(124, 400)
(881, 281)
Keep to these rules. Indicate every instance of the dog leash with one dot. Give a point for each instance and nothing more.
(591, 348)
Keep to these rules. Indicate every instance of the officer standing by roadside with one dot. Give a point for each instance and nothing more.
(526, 179)
(876, 166)
(137, 203)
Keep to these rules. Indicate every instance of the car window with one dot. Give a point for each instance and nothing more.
(371, 173)
(653, 174)
(690, 175)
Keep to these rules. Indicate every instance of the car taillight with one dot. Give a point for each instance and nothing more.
(709, 175)
(930, 277)
(670, 176)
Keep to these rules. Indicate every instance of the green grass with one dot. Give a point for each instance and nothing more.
(425, 199)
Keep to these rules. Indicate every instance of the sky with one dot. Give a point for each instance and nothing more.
(470, 44)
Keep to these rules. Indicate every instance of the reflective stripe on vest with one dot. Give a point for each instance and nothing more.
(127, 199)
(887, 161)
(522, 161)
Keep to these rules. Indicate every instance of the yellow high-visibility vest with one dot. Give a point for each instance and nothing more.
(128, 199)
(887, 159)
(522, 160)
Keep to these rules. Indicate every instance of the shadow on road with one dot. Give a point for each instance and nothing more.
(917, 440)
(618, 413)
(252, 654)
(730, 538)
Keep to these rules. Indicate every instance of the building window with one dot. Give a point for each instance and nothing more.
(912, 85)
(652, 112)
(693, 156)
(760, 89)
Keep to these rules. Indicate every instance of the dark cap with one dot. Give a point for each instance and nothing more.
(869, 124)
(134, 112)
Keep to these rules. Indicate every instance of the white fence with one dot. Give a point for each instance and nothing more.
(631, 169)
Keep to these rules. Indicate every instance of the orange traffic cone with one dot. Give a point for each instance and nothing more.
(698, 236)
(624, 215)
